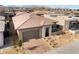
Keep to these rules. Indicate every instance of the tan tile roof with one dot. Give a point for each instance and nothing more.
(29, 21)
(20, 19)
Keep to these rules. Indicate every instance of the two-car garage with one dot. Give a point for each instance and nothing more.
(31, 34)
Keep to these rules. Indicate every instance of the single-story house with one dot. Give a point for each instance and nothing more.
(29, 26)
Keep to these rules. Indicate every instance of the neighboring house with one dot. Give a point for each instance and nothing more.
(58, 17)
(68, 22)
(29, 26)
(2, 28)
(72, 24)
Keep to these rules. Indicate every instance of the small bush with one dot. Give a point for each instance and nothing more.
(20, 43)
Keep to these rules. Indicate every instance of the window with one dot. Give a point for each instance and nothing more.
(73, 25)
(56, 27)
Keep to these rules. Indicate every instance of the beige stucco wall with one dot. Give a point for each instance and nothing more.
(19, 34)
(66, 25)
(44, 30)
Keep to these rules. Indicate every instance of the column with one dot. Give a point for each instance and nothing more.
(50, 30)
(43, 31)
(20, 35)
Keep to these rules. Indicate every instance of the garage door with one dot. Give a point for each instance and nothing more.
(30, 35)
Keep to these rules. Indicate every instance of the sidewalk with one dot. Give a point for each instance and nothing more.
(72, 48)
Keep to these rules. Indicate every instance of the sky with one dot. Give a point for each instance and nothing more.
(73, 4)
(65, 6)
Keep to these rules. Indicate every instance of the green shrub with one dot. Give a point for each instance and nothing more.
(20, 43)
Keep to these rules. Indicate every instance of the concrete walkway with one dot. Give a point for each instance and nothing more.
(72, 48)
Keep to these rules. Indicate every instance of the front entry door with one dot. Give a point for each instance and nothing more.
(47, 32)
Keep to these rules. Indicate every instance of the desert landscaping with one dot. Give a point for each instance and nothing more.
(37, 30)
